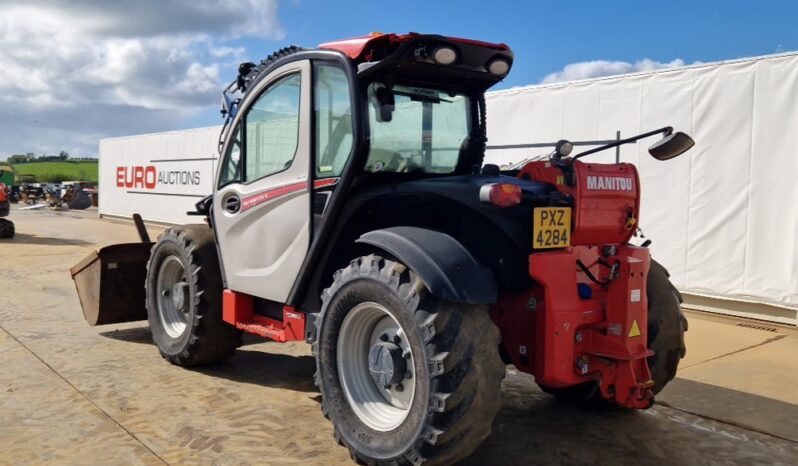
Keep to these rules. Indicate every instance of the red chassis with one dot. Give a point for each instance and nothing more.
(567, 330)
(586, 317)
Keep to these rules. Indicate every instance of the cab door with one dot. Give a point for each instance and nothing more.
(261, 206)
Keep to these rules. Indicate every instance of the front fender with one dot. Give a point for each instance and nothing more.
(446, 267)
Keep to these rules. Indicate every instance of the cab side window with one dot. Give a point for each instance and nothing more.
(231, 167)
(272, 129)
(333, 119)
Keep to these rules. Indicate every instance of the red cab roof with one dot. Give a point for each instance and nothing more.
(356, 47)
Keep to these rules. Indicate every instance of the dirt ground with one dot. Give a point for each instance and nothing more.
(74, 394)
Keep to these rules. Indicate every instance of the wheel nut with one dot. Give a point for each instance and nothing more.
(532, 304)
(396, 339)
(400, 387)
(165, 293)
(408, 375)
(384, 337)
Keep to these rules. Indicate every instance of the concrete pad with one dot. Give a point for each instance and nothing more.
(103, 395)
(734, 407)
(43, 419)
(769, 370)
(709, 338)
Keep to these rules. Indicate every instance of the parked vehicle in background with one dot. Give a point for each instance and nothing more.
(6, 226)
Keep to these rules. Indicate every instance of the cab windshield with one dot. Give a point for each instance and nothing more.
(416, 129)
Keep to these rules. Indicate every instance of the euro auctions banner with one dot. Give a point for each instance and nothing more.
(160, 176)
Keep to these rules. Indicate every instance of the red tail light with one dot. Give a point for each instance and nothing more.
(501, 194)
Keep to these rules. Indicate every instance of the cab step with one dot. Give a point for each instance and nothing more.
(237, 310)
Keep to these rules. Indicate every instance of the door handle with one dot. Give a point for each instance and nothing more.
(232, 204)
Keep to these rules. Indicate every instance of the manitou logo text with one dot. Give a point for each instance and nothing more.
(148, 177)
(613, 183)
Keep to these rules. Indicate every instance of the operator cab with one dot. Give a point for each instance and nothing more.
(306, 129)
(424, 100)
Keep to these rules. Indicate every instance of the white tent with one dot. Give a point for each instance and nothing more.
(724, 216)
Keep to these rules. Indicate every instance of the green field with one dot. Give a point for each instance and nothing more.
(58, 171)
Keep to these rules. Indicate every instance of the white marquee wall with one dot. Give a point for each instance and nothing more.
(723, 216)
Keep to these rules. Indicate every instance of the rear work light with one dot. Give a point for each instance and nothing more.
(444, 55)
(500, 194)
(498, 66)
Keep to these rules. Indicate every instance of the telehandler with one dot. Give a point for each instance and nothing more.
(352, 210)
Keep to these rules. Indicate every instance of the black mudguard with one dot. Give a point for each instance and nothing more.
(446, 267)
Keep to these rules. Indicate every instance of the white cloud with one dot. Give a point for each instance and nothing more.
(73, 72)
(224, 52)
(598, 68)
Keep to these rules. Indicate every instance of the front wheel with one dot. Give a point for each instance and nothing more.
(184, 298)
(406, 378)
(6, 228)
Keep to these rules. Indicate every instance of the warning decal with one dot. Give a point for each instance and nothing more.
(635, 330)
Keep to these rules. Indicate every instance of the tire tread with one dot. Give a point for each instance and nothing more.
(211, 338)
(462, 347)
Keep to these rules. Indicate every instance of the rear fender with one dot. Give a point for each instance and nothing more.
(446, 267)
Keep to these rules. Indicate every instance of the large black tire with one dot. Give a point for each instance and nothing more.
(206, 338)
(666, 327)
(6, 228)
(458, 370)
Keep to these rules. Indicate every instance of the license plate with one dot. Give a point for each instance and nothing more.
(551, 227)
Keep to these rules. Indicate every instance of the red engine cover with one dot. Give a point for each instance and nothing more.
(606, 199)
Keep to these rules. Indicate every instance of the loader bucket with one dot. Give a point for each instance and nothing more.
(110, 283)
(80, 200)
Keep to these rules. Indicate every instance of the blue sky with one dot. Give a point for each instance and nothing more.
(136, 66)
(547, 36)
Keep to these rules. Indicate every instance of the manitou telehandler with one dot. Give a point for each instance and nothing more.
(352, 209)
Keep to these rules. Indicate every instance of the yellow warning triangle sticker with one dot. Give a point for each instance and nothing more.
(635, 330)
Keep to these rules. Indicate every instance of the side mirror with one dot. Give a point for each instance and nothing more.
(386, 103)
(563, 148)
(671, 146)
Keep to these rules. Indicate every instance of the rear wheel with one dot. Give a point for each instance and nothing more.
(184, 298)
(406, 378)
(6, 228)
(666, 327)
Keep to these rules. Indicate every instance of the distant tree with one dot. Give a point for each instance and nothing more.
(21, 158)
(63, 155)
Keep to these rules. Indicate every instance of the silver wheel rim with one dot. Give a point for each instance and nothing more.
(382, 409)
(173, 298)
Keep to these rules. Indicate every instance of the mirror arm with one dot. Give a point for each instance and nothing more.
(666, 131)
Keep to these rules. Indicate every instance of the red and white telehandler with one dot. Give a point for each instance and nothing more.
(352, 209)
